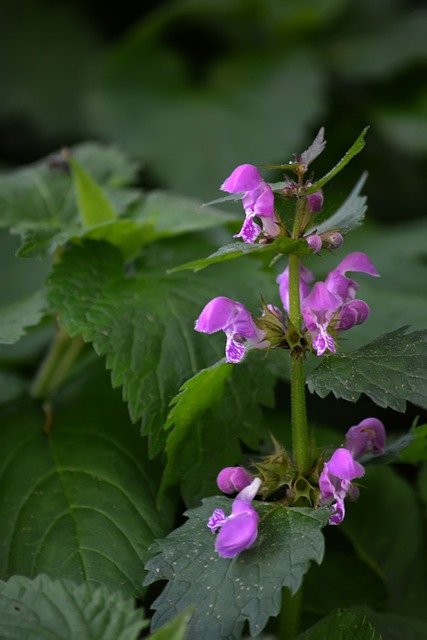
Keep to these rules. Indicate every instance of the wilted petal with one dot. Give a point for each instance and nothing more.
(351, 314)
(232, 479)
(366, 437)
(245, 177)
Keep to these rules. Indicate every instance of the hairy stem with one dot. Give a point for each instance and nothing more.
(300, 443)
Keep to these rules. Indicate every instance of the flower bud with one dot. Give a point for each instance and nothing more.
(315, 201)
(233, 479)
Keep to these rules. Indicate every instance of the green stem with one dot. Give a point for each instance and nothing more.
(300, 443)
(298, 405)
(290, 614)
(55, 367)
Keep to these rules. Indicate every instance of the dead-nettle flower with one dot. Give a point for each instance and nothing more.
(232, 479)
(258, 201)
(237, 323)
(335, 482)
(366, 437)
(330, 306)
(328, 240)
(335, 479)
(239, 530)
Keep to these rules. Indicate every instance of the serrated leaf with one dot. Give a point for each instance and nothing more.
(19, 316)
(197, 394)
(77, 492)
(397, 627)
(61, 610)
(349, 216)
(353, 151)
(282, 246)
(93, 205)
(341, 625)
(391, 370)
(315, 149)
(227, 592)
(144, 324)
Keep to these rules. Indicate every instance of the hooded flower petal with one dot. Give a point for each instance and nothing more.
(245, 177)
(366, 437)
(240, 529)
(237, 323)
(344, 287)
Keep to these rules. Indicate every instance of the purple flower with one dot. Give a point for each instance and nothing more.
(237, 323)
(305, 276)
(331, 304)
(314, 241)
(335, 482)
(346, 288)
(239, 530)
(366, 437)
(232, 479)
(258, 200)
(319, 307)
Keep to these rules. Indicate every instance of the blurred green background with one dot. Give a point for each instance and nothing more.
(193, 87)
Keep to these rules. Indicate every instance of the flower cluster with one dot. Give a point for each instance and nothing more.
(330, 307)
(335, 481)
(239, 530)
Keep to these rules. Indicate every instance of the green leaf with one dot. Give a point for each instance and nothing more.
(315, 149)
(349, 216)
(197, 395)
(76, 489)
(61, 610)
(176, 628)
(94, 206)
(198, 448)
(353, 151)
(341, 625)
(387, 515)
(17, 317)
(144, 323)
(282, 246)
(12, 386)
(227, 591)
(395, 627)
(391, 370)
(417, 449)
